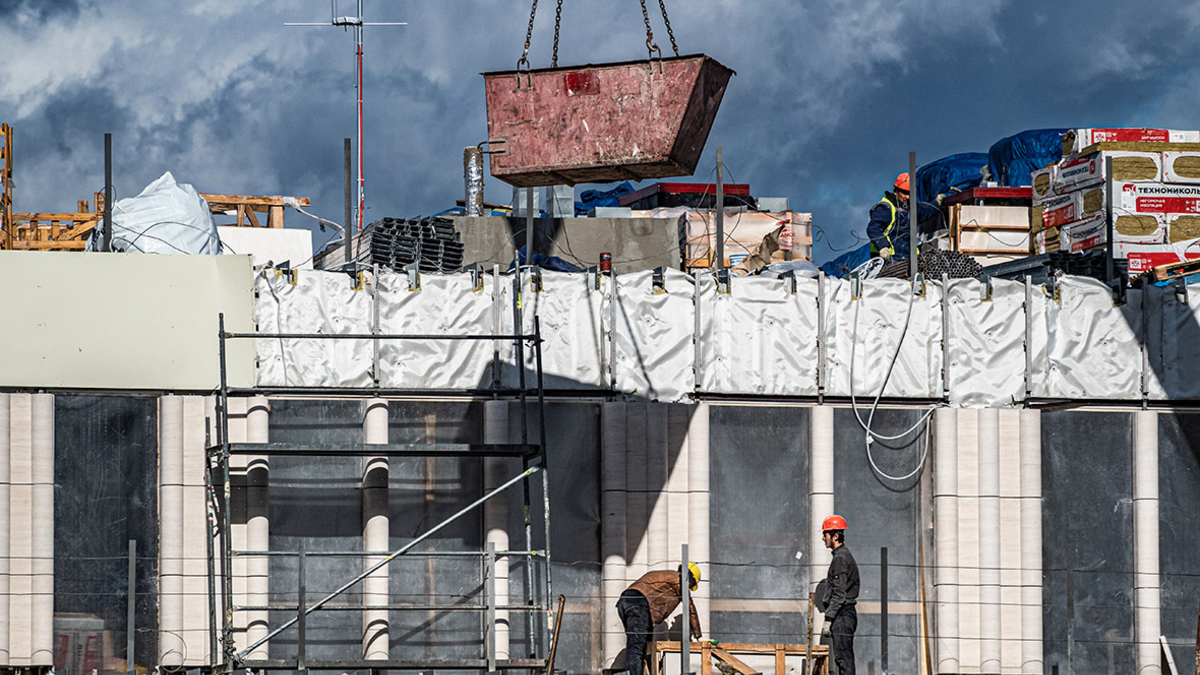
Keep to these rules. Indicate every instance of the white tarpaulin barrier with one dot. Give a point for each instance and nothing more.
(870, 327)
(312, 302)
(667, 339)
(760, 338)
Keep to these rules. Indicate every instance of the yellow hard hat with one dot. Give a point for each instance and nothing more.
(694, 570)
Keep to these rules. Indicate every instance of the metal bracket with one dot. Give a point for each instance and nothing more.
(789, 282)
(658, 280)
(413, 270)
(1052, 288)
(1119, 288)
(985, 289)
(723, 285)
(1181, 292)
(476, 277)
(285, 268)
(919, 285)
(593, 277)
(535, 279)
(856, 288)
(497, 141)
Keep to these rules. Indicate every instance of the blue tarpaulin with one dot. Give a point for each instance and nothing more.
(590, 199)
(1011, 160)
(949, 175)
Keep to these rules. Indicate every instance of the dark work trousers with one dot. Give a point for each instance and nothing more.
(842, 629)
(634, 611)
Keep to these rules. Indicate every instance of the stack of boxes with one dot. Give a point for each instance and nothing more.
(1155, 205)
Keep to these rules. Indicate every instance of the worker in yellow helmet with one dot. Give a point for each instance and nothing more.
(888, 229)
(648, 602)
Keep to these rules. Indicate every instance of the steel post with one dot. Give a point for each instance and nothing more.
(106, 234)
(912, 222)
(719, 261)
(301, 595)
(685, 642)
(227, 515)
(349, 197)
(130, 608)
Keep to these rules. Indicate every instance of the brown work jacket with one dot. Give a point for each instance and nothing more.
(663, 593)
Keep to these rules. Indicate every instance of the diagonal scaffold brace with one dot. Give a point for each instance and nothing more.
(241, 656)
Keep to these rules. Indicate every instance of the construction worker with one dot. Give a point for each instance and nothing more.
(888, 229)
(646, 603)
(841, 619)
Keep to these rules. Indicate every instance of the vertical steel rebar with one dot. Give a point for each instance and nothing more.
(912, 220)
(349, 160)
(131, 607)
(301, 601)
(719, 262)
(685, 641)
(883, 610)
(106, 234)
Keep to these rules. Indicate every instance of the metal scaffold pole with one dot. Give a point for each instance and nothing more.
(226, 517)
(552, 620)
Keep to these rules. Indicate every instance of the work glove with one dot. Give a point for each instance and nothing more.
(885, 254)
(825, 629)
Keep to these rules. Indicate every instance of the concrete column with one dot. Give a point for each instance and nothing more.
(1146, 595)
(612, 524)
(258, 524)
(945, 539)
(637, 514)
(678, 483)
(42, 548)
(171, 647)
(375, 532)
(820, 489)
(1009, 470)
(698, 505)
(5, 513)
(989, 541)
(195, 534)
(495, 515)
(1031, 542)
(969, 562)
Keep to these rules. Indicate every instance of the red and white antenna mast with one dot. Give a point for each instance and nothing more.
(357, 23)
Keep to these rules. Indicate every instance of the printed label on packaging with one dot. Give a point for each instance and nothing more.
(1061, 210)
(1158, 197)
(1085, 234)
(1144, 257)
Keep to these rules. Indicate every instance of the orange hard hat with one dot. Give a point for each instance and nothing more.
(833, 522)
(901, 182)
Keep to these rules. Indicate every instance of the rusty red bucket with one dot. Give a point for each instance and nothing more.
(602, 123)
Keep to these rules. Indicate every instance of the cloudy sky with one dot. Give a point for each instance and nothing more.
(830, 94)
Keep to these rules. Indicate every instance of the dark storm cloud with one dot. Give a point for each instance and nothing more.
(829, 99)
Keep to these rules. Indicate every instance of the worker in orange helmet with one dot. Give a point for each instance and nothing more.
(841, 619)
(888, 229)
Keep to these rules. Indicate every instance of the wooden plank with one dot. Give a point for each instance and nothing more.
(734, 661)
(255, 200)
(275, 217)
(241, 216)
(1174, 270)
(73, 217)
(83, 206)
(70, 245)
(780, 661)
(253, 218)
(705, 658)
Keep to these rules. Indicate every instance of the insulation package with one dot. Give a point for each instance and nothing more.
(1043, 184)
(1181, 167)
(1077, 140)
(1090, 169)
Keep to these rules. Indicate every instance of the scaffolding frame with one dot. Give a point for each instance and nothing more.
(534, 461)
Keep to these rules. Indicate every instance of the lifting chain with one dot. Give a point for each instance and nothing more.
(557, 23)
(649, 31)
(528, 37)
(662, 4)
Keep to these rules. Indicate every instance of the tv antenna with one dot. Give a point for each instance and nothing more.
(357, 23)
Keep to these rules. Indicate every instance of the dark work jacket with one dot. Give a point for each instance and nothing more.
(884, 233)
(843, 582)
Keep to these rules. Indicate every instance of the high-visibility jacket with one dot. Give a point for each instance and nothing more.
(889, 224)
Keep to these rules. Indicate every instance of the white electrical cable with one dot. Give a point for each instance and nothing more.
(295, 204)
(871, 436)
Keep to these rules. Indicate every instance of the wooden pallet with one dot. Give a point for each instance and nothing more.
(725, 653)
(1175, 270)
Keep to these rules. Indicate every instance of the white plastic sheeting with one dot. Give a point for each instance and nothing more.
(167, 217)
(665, 340)
(781, 359)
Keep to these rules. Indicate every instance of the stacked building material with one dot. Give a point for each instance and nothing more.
(433, 243)
(1155, 200)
